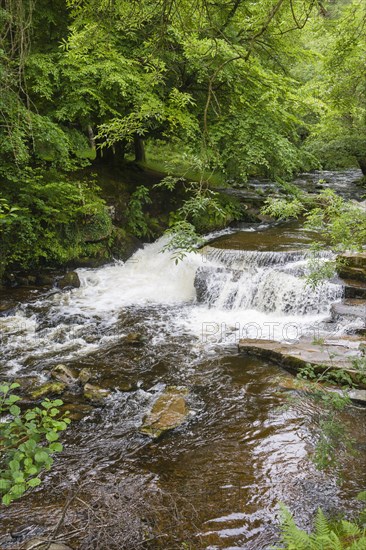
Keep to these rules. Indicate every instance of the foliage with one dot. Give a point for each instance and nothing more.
(138, 221)
(53, 220)
(342, 223)
(327, 535)
(183, 239)
(283, 209)
(339, 136)
(204, 210)
(28, 440)
(240, 89)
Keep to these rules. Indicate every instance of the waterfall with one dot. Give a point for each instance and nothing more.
(229, 289)
(265, 281)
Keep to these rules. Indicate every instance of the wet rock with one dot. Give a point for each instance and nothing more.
(26, 383)
(133, 339)
(85, 375)
(64, 374)
(43, 544)
(350, 308)
(169, 411)
(359, 396)
(354, 288)
(126, 386)
(204, 277)
(76, 411)
(69, 280)
(95, 393)
(44, 279)
(352, 266)
(293, 357)
(49, 388)
(124, 245)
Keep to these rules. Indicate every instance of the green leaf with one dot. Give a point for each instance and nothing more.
(7, 499)
(34, 482)
(41, 456)
(52, 436)
(55, 447)
(15, 410)
(12, 399)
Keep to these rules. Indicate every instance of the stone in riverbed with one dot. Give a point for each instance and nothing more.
(64, 374)
(95, 393)
(76, 410)
(49, 388)
(43, 544)
(133, 339)
(85, 375)
(169, 411)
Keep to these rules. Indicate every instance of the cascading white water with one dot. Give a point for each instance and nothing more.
(266, 281)
(239, 288)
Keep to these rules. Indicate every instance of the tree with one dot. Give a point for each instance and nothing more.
(341, 129)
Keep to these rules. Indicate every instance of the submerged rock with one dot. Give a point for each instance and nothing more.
(95, 393)
(43, 544)
(49, 388)
(169, 411)
(76, 411)
(64, 374)
(69, 280)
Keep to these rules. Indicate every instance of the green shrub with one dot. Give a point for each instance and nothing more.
(27, 441)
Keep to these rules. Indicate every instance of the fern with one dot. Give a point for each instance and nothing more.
(322, 529)
(327, 535)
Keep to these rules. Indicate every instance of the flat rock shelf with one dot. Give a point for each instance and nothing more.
(328, 356)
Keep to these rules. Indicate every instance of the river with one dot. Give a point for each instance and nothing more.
(244, 448)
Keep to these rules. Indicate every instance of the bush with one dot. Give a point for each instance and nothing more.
(27, 441)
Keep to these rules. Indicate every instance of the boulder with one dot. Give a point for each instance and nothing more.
(64, 374)
(169, 411)
(95, 393)
(49, 388)
(358, 396)
(45, 279)
(69, 280)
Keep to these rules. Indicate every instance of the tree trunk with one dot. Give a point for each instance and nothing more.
(139, 149)
(91, 137)
(362, 164)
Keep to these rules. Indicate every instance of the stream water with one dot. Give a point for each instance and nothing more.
(241, 451)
